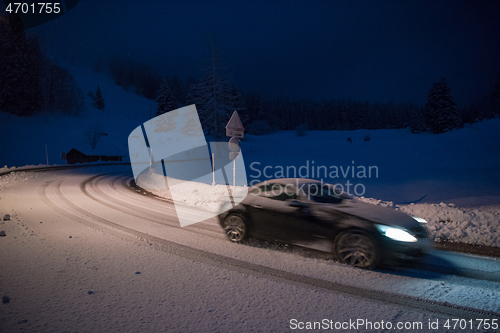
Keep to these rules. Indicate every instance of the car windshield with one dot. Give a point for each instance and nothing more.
(323, 193)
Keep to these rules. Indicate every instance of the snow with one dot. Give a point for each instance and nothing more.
(446, 222)
(459, 167)
(6, 169)
(58, 273)
(465, 225)
(24, 138)
(12, 179)
(101, 280)
(64, 276)
(450, 179)
(191, 193)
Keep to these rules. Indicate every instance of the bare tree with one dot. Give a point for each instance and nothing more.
(94, 135)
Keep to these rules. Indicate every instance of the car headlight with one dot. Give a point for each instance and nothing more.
(395, 233)
(419, 219)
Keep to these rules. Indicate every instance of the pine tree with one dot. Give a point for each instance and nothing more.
(495, 94)
(212, 97)
(178, 88)
(441, 111)
(252, 104)
(417, 121)
(165, 103)
(21, 63)
(165, 100)
(60, 91)
(238, 104)
(98, 100)
(264, 114)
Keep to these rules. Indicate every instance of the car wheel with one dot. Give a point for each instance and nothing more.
(357, 249)
(235, 228)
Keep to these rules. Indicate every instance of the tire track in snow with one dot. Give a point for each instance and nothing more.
(98, 223)
(157, 216)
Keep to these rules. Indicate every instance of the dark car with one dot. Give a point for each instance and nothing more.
(307, 212)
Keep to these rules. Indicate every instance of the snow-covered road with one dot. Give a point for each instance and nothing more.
(83, 252)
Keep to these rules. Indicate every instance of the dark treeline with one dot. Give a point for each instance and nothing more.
(132, 75)
(143, 79)
(30, 83)
(261, 115)
(330, 114)
(277, 113)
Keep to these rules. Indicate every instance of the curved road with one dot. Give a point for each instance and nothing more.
(105, 202)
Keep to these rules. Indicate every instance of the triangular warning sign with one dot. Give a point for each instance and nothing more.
(235, 122)
(234, 128)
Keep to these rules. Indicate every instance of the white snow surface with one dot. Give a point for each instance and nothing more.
(61, 275)
(446, 222)
(11, 179)
(459, 167)
(191, 193)
(91, 282)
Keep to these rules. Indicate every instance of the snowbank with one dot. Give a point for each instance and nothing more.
(13, 178)
(194, 194)
(446, 222)
(6, 169)
(458, 167)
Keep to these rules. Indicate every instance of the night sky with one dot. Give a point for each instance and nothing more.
(362, 50)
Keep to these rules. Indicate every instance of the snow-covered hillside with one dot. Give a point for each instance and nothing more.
(459, 167)
(24, 138)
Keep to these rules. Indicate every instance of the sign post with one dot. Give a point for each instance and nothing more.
(213, 169)
(235, 130)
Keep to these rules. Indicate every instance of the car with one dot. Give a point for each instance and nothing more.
(307, 212)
